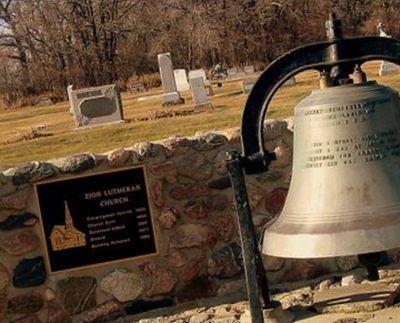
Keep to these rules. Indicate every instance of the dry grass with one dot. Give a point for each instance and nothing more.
(228, 102)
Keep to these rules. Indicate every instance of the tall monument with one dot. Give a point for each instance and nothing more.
(386, 67)
(171, 95)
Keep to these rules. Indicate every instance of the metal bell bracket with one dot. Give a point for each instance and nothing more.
(338, 57)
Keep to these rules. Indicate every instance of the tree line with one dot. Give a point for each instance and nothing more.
(47, 44)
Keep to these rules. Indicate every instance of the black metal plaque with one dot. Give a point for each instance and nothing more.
(96, 219)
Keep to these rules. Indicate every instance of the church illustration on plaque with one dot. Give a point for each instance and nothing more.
(66, 236)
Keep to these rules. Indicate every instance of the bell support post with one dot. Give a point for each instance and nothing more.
(256, 279)
(310, 57)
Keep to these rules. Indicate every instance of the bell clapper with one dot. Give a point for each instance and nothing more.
(324, 80)
(359, 75)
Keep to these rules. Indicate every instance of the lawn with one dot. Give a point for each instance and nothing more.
(228, 102)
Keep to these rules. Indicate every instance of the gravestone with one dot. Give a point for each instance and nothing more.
(231, 72)
(249, 69)
(209, 89)
(96, 105)
(247, 85)
(69, 91)
(136, 87)
(240, 75)
(171, 95)
(199, 73)
(386, 67)
(291, 81)
(181, 80)
(199, 92)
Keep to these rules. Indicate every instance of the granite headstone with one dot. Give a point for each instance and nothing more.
(199, 92)
(96, 105)
(386, 67)
(181, 80)
(171, 95)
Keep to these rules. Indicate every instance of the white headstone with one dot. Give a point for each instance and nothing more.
(249, 69)
(247, 85)
(166, 72)
(199, 73)
(291, 81)
(199, 92)
(240, 75)
(181, 80)
(96, 105)
(69, 91)
(171, 95)
(231, 72)
(386, 67)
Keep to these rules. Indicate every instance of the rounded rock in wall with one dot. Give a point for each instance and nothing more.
(195, 166)
(29, 272)
(118, 157)
(255, 195)
(149, 150)
(156, 191)
(273, 129)
(176, 258)
(163, 280)
(347, 263)
(275, 200)
(49, 294)
(183, 191)
(220, 162)
(283, 155)
(165, 170)
(4, 277)
(195, 210)
(56, 314)
(77, 163)
(77, 294)
(193, 235)
(168, 217)
(123, 285)
(226, 262)
(33, 172)
(224, 225)
(17, 221)
(25, 303)
(16, 200)
(216, 202)
(20, 243)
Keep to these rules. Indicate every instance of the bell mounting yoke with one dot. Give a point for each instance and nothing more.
(337, 56)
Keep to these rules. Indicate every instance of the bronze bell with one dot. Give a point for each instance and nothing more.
(344, 195)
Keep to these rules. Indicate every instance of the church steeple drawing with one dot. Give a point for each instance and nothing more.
(66, 236)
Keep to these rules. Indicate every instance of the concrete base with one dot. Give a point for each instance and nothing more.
(356, 298)
(98, 125)
(173, 98)
(205, 106)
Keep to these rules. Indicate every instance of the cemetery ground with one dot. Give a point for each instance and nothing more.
(48, 132)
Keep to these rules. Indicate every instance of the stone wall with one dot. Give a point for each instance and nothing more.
(195, 226)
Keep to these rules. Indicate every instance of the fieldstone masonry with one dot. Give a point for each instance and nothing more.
(196, 227)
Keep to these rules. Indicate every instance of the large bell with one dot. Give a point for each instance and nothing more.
(344, 196)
